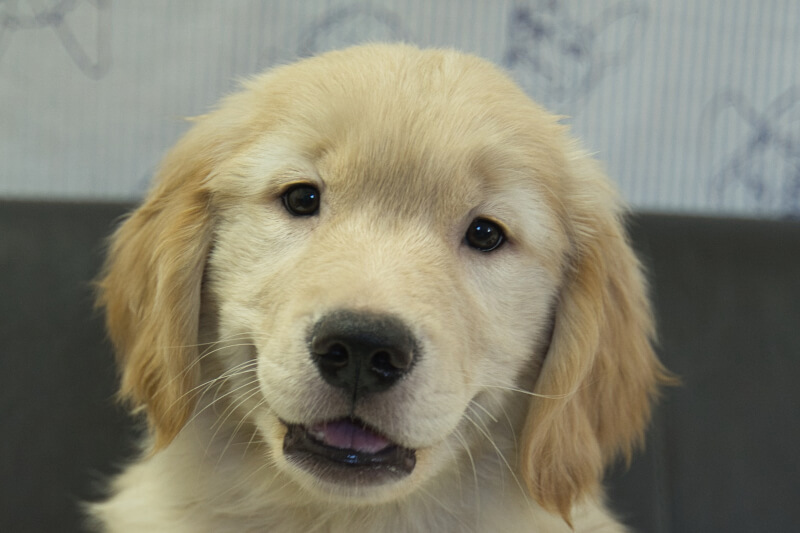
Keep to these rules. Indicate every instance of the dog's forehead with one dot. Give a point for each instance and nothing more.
(400, 171)
(422, 170)
(434, 131)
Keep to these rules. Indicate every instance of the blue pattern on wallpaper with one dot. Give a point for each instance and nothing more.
(55, 15)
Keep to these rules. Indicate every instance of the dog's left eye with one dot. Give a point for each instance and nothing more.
(484, 235)
(302, 200)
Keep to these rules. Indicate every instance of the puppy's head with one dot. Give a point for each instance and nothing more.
(391, 250)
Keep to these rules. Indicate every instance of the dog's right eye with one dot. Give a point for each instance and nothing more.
(484, 235)
(301, 200)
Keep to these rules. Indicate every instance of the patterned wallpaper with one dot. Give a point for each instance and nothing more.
(694, 105)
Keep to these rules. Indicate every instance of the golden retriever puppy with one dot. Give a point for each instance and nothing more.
(377, 290)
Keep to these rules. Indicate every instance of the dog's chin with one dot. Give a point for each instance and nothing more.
(346, 455)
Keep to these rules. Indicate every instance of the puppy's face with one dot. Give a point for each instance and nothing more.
(393, 252)
(392, 267)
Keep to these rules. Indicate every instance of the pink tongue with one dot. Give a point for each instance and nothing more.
(347, 435)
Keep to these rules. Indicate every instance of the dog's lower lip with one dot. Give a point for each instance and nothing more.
(377, 460)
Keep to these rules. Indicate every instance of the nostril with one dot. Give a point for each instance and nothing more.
(336, 355)
(332, 358)
(382, 360)
(389, 363)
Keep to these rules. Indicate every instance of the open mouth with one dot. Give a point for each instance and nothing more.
(347, 451)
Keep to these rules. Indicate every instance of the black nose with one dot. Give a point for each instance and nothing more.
(362, 352)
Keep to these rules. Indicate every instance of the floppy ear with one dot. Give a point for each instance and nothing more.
(152, 282)
(600, 373)
(150, 289)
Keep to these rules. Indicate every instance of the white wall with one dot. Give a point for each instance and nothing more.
(693, 104)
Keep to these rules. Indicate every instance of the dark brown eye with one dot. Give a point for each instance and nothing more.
(484, 235)
(302, 200)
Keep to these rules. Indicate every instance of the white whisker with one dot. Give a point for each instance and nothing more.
(213, 348)
(239, 425)
(465, 445)
(230, 410)
(511, 427)
(201, 389)
(532, 394)
(482, 408)
(216, 398)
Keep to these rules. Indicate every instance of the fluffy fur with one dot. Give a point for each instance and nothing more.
(537, 367)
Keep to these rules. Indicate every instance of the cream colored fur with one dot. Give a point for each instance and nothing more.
(537, 371)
